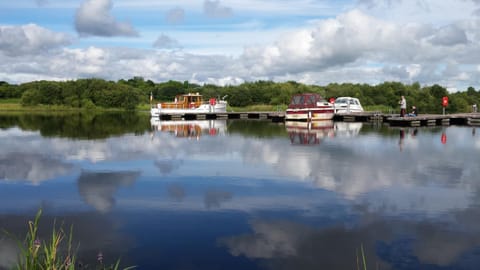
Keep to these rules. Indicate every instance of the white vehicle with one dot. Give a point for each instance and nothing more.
(347, 105)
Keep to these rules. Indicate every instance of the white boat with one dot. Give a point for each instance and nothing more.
(347, 105)
(189, 128)
(188, 104)
(309, 107)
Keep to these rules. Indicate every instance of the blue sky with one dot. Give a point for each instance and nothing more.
(231, 41)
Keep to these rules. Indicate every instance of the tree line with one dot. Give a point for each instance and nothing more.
(129, 94)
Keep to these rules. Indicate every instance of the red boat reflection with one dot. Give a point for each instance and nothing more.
(308, 133)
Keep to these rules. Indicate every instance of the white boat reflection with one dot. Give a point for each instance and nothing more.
(189, 128)
(347, 129)
(307, 133)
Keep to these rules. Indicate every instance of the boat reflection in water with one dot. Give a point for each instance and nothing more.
(347, 129)
(190, 128)
(308, 133)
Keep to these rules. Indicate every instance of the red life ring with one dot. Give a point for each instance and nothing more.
(192, 105)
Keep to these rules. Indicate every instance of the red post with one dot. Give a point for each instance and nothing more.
(445, 101)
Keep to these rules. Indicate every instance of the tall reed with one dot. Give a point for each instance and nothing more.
(55, 253)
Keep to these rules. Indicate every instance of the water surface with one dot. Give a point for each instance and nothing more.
(243, 194)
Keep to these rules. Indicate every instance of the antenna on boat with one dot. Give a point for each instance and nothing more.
(224, 97)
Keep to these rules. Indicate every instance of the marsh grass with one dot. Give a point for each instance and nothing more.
(54, 253)
(361, 260)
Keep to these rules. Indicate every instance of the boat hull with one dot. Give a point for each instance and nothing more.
(309, 114)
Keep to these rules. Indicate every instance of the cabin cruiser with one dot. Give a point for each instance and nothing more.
(309, 107)
(347, 105)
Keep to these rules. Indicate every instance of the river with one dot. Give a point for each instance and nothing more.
(242, 194)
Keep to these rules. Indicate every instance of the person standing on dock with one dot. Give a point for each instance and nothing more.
(403, 106)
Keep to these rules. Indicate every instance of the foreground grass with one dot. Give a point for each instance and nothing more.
(55, 253)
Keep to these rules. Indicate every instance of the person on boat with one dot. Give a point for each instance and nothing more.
(403, 106)
(414, 111)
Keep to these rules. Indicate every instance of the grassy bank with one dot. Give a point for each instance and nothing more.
(15, 105)
(258, 108)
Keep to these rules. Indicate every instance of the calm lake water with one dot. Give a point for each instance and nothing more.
(243, 194)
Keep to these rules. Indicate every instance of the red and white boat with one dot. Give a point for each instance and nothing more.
(309, 107)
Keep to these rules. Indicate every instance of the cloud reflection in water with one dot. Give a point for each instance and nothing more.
(98, 188)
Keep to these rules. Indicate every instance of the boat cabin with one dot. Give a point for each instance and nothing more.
(307, 100)
(184, 101)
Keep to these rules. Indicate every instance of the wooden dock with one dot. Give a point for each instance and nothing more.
(469, 119)
(273, 116)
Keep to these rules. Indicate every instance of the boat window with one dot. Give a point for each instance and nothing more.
(311, 100)
(340, 100)
(297, 100)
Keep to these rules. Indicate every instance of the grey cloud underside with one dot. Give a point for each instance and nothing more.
(214, 9)
(175, 16)
(93, 18)
(166, 42)
(29, 40)
(41, 3)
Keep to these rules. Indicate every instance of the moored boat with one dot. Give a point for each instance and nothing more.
(347, 105)
(189, 103)
(309, 107)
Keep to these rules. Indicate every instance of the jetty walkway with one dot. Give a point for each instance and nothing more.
(470, 119)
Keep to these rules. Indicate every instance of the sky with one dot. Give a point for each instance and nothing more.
(228, 42)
